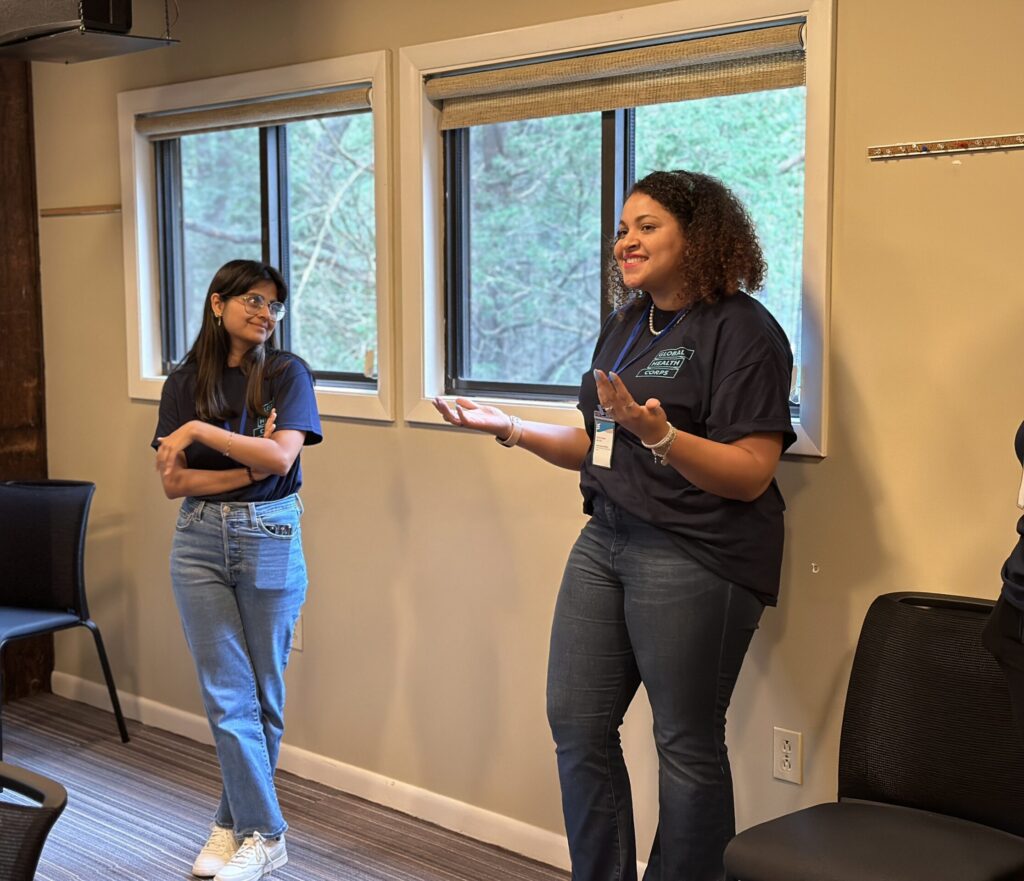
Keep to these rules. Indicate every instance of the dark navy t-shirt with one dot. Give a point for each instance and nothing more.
(1013, 568)
(722, 372)
(289, 390)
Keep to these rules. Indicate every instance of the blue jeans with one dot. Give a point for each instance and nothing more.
(635, 608)
(239, 580)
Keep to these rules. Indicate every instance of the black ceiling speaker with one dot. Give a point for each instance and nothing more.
(20, 20)
(70, 30)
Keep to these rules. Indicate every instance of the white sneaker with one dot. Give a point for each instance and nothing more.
(219, 848)
(258, 856)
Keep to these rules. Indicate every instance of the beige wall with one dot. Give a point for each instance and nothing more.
(435, 556)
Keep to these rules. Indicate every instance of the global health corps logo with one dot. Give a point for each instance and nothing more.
(666, 364)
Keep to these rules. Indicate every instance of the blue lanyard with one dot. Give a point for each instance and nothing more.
(241, 423)
(637, 328)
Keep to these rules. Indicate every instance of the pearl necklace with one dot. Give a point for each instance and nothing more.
(650, 323)
(672, 321)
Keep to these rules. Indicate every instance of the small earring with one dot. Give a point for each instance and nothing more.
(218, 321)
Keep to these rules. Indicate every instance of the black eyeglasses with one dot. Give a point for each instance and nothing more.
(254, 304)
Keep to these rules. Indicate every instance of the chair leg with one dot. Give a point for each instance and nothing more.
(109, 677)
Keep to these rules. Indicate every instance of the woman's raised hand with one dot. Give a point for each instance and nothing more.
(647, 421)
(468, 414)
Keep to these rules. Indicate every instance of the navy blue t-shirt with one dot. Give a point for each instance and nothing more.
(1013, 568)
(288, 389)
(721, 372)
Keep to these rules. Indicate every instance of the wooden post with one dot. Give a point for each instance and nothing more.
(28, 663)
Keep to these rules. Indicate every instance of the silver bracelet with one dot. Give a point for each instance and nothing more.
(227, 449)
(514, 435)
(660, 449)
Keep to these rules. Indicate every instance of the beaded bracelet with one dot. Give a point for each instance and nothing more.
(514, 435)
(660, 449)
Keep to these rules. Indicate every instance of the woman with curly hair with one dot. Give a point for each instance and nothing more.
(686, 414)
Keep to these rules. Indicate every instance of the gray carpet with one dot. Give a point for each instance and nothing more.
(139, 811)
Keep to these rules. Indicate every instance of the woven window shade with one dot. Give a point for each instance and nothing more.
(275, 111)
(727, 64)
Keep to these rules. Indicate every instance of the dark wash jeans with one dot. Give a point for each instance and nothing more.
(634, 608)
(1004, 637)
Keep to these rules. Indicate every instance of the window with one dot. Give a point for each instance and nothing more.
(526, 181)
(763, 135)
(293, 176)
(332, 244)
(524, 258)
(296, 194)
(539, 136)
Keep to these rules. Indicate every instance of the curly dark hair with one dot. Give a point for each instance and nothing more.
(722, 255)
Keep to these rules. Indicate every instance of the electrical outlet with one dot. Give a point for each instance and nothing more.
(788, 755)
(297, 635)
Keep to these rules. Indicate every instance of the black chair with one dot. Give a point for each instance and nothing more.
(42, 581)
(24, 827)
(931, 765)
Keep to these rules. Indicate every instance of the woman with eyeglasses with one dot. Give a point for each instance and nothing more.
(234, 416)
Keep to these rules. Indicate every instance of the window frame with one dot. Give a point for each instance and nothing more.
(421, 163)
(274, 241)
(616, 167)
(143, 248)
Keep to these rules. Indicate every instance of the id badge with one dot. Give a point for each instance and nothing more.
(604, 441)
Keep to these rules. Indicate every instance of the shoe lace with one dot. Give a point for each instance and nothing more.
(253, 850)
(222, 839)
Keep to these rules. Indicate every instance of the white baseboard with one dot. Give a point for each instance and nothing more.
(483, 825)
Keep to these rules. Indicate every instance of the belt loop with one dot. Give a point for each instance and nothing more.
(199, 509)
(298, 504)
(252, 513)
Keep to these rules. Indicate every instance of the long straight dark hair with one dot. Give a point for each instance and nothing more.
(209, 353)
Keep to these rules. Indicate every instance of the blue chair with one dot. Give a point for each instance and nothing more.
(42, 580)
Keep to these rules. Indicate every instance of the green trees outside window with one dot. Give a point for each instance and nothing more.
(333, 243)
(531, 226)
(299, 196)
(534, 249)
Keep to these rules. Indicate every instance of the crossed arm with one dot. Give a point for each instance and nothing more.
(273, 453)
